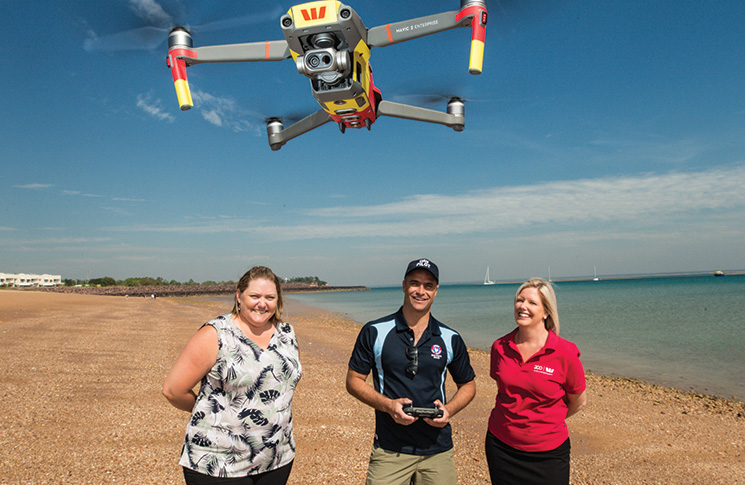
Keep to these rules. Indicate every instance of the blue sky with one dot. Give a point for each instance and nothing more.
(607, 134)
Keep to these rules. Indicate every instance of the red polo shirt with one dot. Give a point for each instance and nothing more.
(531, 403)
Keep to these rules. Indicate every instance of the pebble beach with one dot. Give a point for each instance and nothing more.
(80, 379)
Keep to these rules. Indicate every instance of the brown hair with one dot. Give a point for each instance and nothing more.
(256, 273)
(548, 299)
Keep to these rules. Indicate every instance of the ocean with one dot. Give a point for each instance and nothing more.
(685, 332)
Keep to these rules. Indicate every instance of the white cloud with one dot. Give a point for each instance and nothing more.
(34, 186)
(225, 112)
(153, 108)
(77, 192)
(621, 203)
(151, 12)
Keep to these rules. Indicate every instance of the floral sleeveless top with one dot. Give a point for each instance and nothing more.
(241, 423)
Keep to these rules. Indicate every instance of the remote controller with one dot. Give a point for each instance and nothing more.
(423, 412)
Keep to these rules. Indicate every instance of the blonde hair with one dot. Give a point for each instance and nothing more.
(257, 273)
(548, 299)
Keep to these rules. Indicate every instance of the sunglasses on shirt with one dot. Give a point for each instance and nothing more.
(412, 353)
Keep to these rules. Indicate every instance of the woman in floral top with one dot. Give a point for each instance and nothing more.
(247, 362)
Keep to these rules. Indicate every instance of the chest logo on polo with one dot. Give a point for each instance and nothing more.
(436, 351)
(549, 371)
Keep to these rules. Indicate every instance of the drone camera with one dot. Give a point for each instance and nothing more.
(326, 64)
(324, 40)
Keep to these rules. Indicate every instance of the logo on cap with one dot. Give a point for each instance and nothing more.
(423, 262)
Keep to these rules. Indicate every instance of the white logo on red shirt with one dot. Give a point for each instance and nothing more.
(549, 371)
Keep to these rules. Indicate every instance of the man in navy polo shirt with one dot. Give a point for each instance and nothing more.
(409, 354)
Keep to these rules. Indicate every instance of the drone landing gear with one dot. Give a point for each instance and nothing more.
(343, 127)
(279, 135)
(454, 118)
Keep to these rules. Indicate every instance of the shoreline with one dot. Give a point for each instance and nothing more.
(80, 384)
(727, 404)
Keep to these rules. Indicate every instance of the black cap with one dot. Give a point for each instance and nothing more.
(424, 264)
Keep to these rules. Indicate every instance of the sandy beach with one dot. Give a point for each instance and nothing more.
(80, 379)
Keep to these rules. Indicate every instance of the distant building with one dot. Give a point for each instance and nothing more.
(23, 280)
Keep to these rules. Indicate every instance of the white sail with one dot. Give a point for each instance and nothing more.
(487, 281)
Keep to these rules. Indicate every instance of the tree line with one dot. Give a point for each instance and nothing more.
(149, 281)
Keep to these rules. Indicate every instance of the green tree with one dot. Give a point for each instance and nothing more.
(308, 280)
(105, 281)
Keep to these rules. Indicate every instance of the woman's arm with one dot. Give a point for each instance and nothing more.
(576, 402)
(197, 358)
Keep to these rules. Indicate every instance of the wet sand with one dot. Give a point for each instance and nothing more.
(80, 403)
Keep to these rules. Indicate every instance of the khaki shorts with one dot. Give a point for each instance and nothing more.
(394, 468)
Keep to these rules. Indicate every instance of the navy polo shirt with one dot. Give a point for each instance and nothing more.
(381, 349)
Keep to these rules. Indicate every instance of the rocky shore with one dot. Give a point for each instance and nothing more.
(80, 379)
(184, 290)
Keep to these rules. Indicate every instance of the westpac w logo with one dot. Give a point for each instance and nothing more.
(549, 371)
(313, 13)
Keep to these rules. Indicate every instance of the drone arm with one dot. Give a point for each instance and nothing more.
(180, 81)
(279, 136)
(394, 33)
(477, 12)
(455, 121)
(276, 50)
(472, 13)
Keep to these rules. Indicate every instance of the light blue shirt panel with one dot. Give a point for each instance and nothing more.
(447, 337)
(383, 329)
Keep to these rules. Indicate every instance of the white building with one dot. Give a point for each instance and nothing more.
(23, 280)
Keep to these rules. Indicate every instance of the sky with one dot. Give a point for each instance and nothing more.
(607, 135)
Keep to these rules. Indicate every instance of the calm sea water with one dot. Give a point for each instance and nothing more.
(685, 332)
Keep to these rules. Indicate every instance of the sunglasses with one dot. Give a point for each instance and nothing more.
(412, 353)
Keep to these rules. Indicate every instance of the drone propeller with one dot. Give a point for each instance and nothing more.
(290, 117)
(517, 15)
(156, 20)
(428, 100)
(432, 92)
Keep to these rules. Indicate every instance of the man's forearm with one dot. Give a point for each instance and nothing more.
(359, 388)
(462, 397)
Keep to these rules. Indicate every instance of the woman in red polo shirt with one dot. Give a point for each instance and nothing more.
(540, 382)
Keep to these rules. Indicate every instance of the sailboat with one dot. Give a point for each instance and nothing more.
(595, 270)
(487, 281)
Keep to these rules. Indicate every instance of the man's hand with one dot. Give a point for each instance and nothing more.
(396, 410)
(359, 388)
(443, 420)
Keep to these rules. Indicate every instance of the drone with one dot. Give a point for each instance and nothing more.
(331, 46)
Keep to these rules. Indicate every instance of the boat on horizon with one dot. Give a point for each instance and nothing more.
(595, 272)
(719, 272)
(487, 281)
